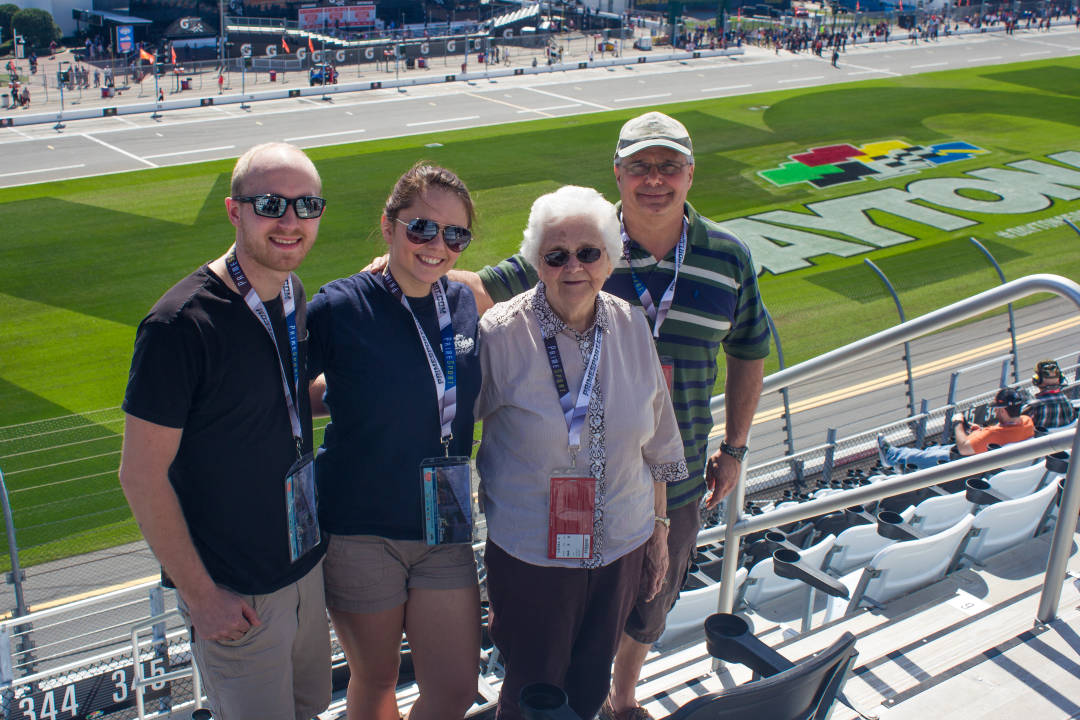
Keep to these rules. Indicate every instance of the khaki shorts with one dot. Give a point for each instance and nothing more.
(279, 670)
(370, 574)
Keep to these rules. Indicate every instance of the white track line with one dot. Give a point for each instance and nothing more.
(189, 152)
(567, 97)
(322, 135)
(642, 97)
(133, 156)
(519, 108)
(727, 87)
(42, 170)
(443, 120)
(551, 107)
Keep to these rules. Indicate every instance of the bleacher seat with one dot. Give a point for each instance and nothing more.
(785, 691)
(1021, 481)
(940, 512)
(903, 567)
(1002, 525)
(690, 611)
(763, 584)
(857, 545)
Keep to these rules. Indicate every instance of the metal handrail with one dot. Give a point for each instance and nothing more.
(141, 682)
(38, 615)
(736, 526)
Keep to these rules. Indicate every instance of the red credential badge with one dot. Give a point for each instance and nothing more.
(570, 522)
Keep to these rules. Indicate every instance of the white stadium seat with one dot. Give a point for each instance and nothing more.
(688, 615)
(1021, 481)
(762, 583)
(1001, 525)
(856, 545)
(940, 512)
(901, 568)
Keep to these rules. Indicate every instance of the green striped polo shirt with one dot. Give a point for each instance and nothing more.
(716, 303)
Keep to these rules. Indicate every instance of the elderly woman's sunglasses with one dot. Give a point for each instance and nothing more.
(421, 230)
(585, 255)
(308, 207)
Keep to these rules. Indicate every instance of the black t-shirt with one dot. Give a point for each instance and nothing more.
(204, 363)
(382, 401)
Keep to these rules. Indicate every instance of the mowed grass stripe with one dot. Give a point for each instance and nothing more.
(92, 255)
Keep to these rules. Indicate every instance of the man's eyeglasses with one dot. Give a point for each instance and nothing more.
(307, 207)
(585, 255)
(639, 169)
(421, 230)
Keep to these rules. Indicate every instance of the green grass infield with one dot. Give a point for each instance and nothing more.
(902, 171)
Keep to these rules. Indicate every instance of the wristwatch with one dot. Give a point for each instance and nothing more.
(665, 521)
(736, 452)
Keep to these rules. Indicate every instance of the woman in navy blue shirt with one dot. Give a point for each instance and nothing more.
(398, 353)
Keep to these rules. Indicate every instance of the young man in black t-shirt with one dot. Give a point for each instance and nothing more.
(213, 439)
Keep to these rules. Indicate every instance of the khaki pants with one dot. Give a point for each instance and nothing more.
(279, 670)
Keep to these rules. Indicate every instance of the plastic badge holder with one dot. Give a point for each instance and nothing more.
(570, 520)
(447, 495)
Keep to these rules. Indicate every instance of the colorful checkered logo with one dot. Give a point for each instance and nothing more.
(831, 165)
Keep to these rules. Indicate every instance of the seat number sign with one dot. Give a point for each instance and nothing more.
(87, 698)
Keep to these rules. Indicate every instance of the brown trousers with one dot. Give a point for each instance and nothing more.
(559, 625)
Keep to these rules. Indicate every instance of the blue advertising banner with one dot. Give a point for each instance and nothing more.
(125, 38)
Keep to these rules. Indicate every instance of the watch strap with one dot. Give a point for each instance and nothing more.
(736, 452)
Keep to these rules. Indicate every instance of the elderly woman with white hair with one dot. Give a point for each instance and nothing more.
(579, 441)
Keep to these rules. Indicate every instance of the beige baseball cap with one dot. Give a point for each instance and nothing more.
(653, 129)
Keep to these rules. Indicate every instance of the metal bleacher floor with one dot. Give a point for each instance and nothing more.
(966, 647)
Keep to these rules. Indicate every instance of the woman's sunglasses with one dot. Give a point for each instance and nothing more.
(422, 230)
(308, 207)
(585, 255)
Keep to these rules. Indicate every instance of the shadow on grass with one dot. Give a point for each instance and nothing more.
(913, 268)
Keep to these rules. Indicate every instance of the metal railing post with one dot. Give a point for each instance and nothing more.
(159, 641)
(7, 671)
(1061, 545)
(1004, 378)
(16, 577)
(789, 435)
(920, 426)
(1012, 317)
(830, 454)
(903, 319)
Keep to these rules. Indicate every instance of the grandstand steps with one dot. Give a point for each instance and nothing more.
(966, 646)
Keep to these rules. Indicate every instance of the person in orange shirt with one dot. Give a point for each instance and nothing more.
(971, 439)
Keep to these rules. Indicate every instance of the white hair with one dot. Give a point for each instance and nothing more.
(571, 201)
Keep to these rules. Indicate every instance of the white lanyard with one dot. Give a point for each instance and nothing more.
(445, 383)
(656, 315)
(255, 304)
(574, 413)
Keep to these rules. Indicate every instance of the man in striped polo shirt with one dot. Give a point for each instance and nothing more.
(697, 286)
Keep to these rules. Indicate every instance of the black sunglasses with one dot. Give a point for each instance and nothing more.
(558, 258)
(422, 230)
(308, 207)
